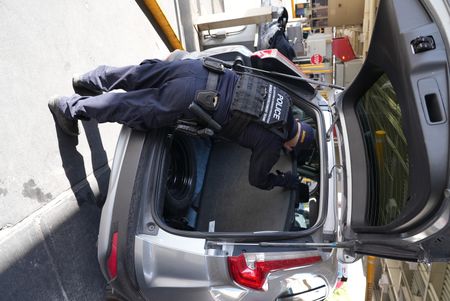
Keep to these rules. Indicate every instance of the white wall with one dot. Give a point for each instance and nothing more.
(42, 43)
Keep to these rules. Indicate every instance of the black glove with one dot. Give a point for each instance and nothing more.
(292, 182)
(303, 193)
(289, 180)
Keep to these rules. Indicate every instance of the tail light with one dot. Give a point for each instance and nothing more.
(112, 259)
(251, 269)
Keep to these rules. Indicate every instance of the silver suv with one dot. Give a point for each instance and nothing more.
(181, 220)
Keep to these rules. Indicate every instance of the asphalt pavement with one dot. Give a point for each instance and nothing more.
(50, 184)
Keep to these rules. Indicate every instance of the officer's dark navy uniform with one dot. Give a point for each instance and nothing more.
(158, 94)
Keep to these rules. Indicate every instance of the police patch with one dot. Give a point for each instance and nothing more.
(276, 106)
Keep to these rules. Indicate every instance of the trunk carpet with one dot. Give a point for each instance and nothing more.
(230, 204)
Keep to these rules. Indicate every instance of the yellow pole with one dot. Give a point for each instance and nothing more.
(161, 19)
(380, 141)
(370, 276)
(293, 9)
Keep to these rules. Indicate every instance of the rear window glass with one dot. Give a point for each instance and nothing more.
(380, 117)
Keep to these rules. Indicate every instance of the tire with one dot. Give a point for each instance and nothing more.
(181, 176)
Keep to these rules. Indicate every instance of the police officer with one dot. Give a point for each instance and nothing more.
(159, 94)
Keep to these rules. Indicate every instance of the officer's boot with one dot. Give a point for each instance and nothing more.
(67, 125)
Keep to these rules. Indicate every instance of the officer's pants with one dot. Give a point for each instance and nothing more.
(281, 43)
(157, 93)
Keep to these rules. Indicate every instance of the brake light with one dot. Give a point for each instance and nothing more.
(251, 269)
(112, 259)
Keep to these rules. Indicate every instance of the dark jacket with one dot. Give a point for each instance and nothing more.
(264, 144)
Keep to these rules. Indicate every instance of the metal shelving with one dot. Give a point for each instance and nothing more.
(406, 281)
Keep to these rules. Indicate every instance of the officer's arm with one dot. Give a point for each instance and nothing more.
(261, 163)
(266, 147)
(264, 156)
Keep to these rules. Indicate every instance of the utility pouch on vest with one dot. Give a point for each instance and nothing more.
(257, 100)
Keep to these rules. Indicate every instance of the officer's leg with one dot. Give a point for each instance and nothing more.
(281, 43)
(142, 109)
(149, 74)
(106, 78)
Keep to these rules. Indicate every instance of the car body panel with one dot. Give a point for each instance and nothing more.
(107, 210)
(166, 270)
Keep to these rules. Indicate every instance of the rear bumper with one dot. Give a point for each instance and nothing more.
(170, 267)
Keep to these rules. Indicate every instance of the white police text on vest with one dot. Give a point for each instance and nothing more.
(278, 107)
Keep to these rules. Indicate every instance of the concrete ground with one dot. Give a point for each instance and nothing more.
(48, 213)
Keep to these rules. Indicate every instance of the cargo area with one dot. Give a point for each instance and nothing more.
(230, 204)
(208, 190)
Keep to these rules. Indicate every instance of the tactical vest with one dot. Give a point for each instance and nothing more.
(258, 100)
(254, 100)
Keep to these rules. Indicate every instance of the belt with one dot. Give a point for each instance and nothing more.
(208, 99)
(212, 81)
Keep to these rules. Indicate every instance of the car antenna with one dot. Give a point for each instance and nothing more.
(238, 64)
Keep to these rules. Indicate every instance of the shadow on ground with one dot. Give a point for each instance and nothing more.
(54, 256)
(74, 167)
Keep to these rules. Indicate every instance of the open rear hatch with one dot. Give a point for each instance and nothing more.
(394, 125)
